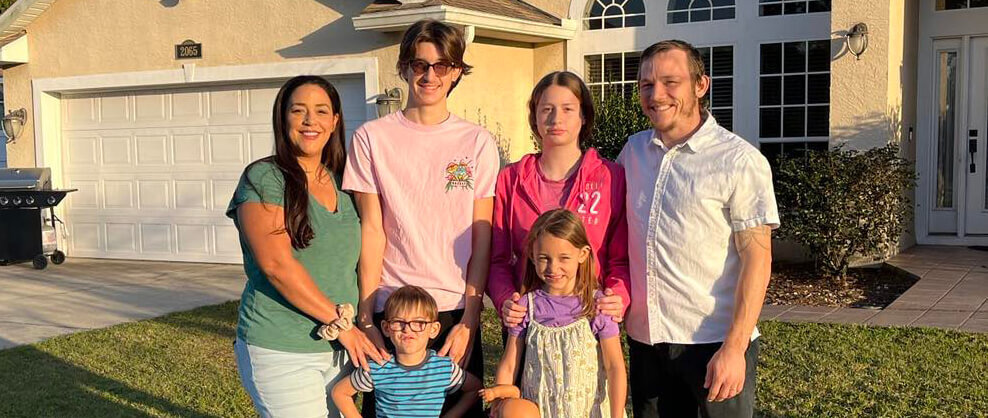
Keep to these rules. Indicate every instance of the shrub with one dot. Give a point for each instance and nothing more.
(842, 203)
(617, 118)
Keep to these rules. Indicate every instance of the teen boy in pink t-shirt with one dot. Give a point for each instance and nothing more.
(424, 184)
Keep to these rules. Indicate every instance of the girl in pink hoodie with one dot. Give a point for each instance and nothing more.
(563, 175)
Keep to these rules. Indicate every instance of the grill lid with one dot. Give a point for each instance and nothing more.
(38, 178)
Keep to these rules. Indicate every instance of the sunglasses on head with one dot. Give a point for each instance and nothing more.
(420, 67)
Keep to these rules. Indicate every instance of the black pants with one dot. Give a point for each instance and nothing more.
(667, 381)
(476, 365)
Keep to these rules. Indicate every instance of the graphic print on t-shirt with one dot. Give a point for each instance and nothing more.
(459, 174)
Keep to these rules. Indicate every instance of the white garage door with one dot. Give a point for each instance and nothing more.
(156, 169)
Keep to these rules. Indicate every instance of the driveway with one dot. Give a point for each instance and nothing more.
(85, 294)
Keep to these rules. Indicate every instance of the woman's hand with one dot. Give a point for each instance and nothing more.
(511, 312)
(457, 346)
(360, 348)
(611, 304)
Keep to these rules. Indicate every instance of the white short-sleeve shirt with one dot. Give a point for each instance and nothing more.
(684, 204)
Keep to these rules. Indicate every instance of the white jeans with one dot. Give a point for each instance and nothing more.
(297, 385)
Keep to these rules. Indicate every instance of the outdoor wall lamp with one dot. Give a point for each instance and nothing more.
(389, 103)
(13, 124)
(857, 40)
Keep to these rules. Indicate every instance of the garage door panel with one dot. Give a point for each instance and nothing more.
(114, 109)
(222, 191)
(156, 238)
(115, 151)
(261, 144)
(154, 194)
(190, 194)
(79, 111)
(189, 148)
(188, 107)
(119, 195)
(193, 239)
(152, 149)
(85, 237)
(226, 148)
(260, 102)
(151, 107)
(82, 152)
(156, 169)
(121, 237)
(227, 240)
(225, 104)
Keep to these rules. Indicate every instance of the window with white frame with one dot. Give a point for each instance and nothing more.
(719, 64)
(611, 74)
(792, 7)
(617, 74)
(610, 14)
(794, 96)
(683, 11)
(960, 4)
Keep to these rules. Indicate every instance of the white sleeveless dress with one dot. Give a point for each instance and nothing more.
(564, 371)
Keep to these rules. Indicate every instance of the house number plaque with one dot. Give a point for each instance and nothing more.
(188, 49)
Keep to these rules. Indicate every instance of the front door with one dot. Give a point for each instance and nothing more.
(959, 152)
(973, 137)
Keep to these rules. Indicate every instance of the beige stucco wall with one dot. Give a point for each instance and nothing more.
(859, 97)
(873, 100)
(80, 37)
(496, 93)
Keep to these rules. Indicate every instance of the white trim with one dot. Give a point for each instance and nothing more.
(487, 24)
(14, 52)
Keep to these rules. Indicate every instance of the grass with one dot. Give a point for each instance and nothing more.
(182, 365)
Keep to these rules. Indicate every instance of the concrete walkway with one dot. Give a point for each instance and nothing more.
(952, 293)
(85, 294)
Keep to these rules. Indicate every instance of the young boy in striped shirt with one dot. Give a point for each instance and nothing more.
(415, 381)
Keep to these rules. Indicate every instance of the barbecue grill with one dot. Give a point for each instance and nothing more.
(25, 235)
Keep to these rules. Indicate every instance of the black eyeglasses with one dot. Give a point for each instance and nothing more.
(420, 67)
(396, 325)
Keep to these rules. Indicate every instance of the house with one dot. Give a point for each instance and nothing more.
(155, 142)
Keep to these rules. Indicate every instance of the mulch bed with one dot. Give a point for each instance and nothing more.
(865, 287)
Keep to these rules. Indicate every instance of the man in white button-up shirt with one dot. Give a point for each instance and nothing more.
(700, 213)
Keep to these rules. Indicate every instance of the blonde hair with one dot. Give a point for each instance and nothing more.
(411, 299)
(565, 225)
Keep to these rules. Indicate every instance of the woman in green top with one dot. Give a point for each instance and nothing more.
(300, 239)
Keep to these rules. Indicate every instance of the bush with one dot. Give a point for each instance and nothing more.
(617, 118)
(841, 203)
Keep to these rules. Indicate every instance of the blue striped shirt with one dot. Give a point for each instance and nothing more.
(410, 391)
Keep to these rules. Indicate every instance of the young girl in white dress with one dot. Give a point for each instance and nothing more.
(573, 363)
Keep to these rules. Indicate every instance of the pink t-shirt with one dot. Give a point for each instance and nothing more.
(553, 193)
(427, 178)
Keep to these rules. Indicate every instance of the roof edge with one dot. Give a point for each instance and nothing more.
(15, 20)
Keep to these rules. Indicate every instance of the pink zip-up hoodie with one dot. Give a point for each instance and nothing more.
(597, 197)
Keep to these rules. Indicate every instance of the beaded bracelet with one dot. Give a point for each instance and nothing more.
(343, 323)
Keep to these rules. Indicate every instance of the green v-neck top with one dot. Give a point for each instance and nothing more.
(266, 319)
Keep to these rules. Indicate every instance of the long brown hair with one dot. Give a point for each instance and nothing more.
(565, 225)
(286, 153)
(579, 89)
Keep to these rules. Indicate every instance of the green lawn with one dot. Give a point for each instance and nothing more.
(182, 365)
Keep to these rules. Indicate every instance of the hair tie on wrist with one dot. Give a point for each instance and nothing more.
(343, 323)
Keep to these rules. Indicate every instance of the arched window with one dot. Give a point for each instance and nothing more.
(609, 14)
(683, 11)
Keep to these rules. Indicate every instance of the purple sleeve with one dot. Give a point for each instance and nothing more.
(603, 326)
(519, 330)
